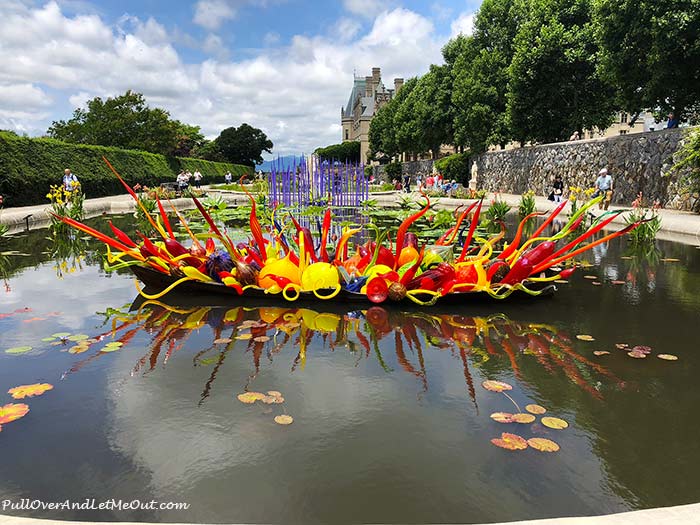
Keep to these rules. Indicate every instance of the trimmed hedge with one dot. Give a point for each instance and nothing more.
(29, 166)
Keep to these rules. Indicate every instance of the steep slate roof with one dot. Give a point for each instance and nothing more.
(358, 88)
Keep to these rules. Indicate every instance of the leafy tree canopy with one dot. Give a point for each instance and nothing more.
(348, 151)
(242, 145)
(554, 84)
(651, 51)
(124, 121)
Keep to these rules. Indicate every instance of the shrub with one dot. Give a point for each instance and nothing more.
(393, 170)
(688, 158)
(646, 232)
(455, 167)
(30, 166)
(527, 204)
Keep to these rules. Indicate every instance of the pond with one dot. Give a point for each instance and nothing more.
(391, 422)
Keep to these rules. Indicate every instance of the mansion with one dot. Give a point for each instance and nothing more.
(367, 96)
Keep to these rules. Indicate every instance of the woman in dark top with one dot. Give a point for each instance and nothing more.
(558, 188)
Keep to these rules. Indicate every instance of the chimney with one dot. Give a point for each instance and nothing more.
(376, 75)
(368, 86)
(398, 84)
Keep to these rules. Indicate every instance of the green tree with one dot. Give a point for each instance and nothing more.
(555, 86)
(243, 145)
(348, 151)
(481, 75)
(651, 51)
(187, 138)
(124, 121)
(383, 138)
(424, 119)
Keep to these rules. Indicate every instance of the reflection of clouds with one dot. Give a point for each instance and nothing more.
(156, 421)
(77, 296)
(355, 425)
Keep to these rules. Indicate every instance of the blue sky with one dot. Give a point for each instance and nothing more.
(284, 66)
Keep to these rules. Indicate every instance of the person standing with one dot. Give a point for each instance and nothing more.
(197, 179)
(70, 181)
(558, 188)
(228, 177)
(604, 186)
(407, 183)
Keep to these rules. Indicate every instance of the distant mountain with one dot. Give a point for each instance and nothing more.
(287, 160)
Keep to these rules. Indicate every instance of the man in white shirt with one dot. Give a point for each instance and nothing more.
(604, 186)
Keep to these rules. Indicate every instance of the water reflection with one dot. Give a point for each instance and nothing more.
(493, 344)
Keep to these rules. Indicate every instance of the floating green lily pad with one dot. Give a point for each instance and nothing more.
(78, 337)
(61, 334)
(115, 344)
(48, 339)
(18, 350)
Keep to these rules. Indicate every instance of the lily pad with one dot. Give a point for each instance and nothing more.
(244, 337)
(596, 283)
(496, 386)
(592, 277)
(222, 341)
(12, 412)
(585, 337)
(78, 337)
(502, 417)
(543, 445)
(274, 393)
(510, 442)
(269, 400)
(61, 334)
(668, 357)
(621, 346)
(261, 339)
(37, 389)
(669, 259)
(18, 350)
(523, 418)
(78, 349)
(601, 352)
(554, 422)
(47, 339)
(116, 344)
(637, 354)
(535, 409)
(643, 349)
(284, 419)
(617, 282)
(250, 397)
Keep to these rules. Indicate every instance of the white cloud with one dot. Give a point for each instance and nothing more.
(346, 29)
(293, 93)
(365, 8)
(271, 38)
(212, 13)
(464, 25)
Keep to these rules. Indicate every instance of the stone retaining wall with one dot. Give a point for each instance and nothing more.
(637, 162)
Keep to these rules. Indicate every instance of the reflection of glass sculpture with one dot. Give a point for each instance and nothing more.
(297, 265)
(494, 344)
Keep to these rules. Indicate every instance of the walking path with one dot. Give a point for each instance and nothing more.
(680, 515)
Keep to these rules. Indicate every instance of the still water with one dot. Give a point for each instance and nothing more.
(391, 422)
